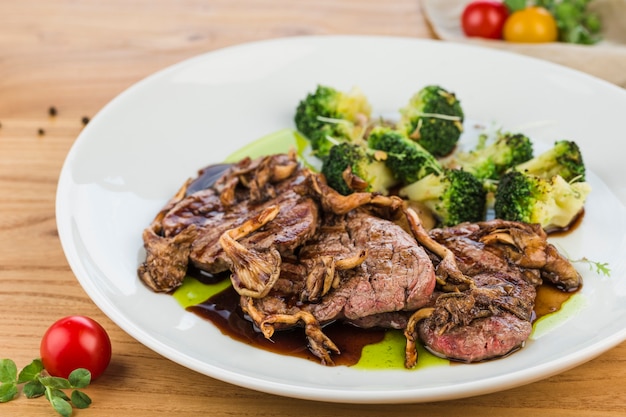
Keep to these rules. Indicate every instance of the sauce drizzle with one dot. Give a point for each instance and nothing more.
(223, 311)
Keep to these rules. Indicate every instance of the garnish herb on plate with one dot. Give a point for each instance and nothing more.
(37, 382)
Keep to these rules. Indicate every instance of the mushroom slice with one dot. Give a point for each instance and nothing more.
(254, 272)
(352, 261)
(257, 176)
(448, 267)
(334, 202)
(319, 343)
(527, 246)
(410, 332)
(167, 258)
(322, 277)
(522, 245)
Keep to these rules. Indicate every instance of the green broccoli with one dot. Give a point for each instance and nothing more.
(433, 118)
(564, 159)
(350, 167)
(407, 160)
(490, 161)
(453, 196)
(328, 116)
(552, 202)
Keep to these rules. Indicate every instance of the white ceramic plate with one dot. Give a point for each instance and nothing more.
(142, 146)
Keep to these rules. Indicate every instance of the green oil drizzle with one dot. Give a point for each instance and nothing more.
(389, 354)
(281, 141)
(193, 292)
(550, 321)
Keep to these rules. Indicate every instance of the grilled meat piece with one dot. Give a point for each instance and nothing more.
(485, 322)
(486, 338)
(505, 262)
(396, 275)
(244, 191)
(497, 245)
(381, 270)
(230, 202)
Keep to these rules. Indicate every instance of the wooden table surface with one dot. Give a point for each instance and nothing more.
(78, 55)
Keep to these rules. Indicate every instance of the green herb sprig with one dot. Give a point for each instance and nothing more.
(36, 383)
(600, 268)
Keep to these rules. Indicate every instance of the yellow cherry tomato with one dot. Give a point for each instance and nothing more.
(530, 25)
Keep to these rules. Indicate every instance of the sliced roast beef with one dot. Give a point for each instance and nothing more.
(243, 191)
(500, 244)
(395, 275)
(375, 267)
(485, 322)
(485, 338)
(505, 262)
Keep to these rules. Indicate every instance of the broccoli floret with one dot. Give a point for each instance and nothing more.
(328, 116)
(350, 167)
(564, 159)
(492, 160)
(407, 160)
(453, 196)
(552, 202)
(434, 118)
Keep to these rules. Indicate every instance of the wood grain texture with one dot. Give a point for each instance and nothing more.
(77, 56)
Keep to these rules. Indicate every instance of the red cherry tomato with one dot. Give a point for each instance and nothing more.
(75, 342)
(484, 19)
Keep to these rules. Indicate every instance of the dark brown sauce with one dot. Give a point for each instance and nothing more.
(223, 311)
(564, 231)
(549, 300)
(207, 177)
(206, 277)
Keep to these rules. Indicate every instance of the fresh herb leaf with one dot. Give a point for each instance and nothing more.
(57, 393)
(80, 399)
(54, 382)
(30, 371)
(8, 380)
(8, 391)
(61, 406)
(600, 268)
(80, 378)
(38, 383)
(33, 389)
(8, 371)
